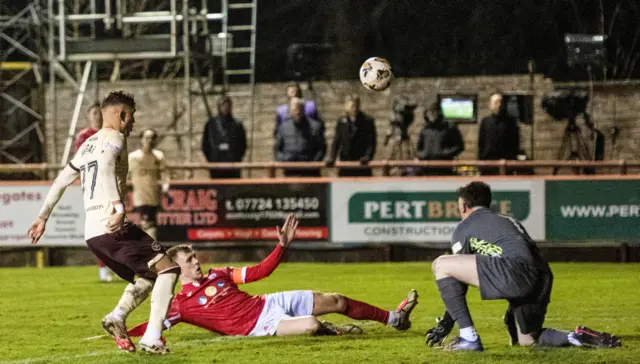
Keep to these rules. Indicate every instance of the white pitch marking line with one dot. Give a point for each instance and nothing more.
(95, 337)
(53, 359)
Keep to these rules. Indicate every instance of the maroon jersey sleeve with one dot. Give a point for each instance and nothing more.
(173, 318)
(261, 270)
(80, 138)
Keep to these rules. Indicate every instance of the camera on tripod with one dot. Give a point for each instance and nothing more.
(401, 118)
(567, 105)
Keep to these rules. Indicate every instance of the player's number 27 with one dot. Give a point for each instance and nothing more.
(91, 166)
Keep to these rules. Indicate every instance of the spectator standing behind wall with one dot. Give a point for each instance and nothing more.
(310, 108)
(224, 140)
(355, 139)
(300, 139)
(438, 140)
(499, 135)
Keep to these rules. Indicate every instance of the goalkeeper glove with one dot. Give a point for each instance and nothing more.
(436, 335)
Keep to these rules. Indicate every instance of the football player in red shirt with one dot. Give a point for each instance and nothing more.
(94, 116)
(214, 302)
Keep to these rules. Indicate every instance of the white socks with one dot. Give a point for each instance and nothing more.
(118, 314)
(160, 302)
(394, 316)
(104, 273)
(469, 333)
(133, 296)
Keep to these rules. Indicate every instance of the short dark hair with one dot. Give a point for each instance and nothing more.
(475, 194)
(94, 105)
(225, 100)
(119, 97)
(182, 248)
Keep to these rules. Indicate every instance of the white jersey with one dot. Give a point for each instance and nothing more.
(103, 165)
(145, 171)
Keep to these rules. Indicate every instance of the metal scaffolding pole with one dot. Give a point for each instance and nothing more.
(187, 79)
(53, 104)
(144, 17)
(254, 17)
(72, 35)
(76, 112)
(19, 85)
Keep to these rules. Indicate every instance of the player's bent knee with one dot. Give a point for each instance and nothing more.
(340, 302)
(312, 325)
(434, 266)
(438, 265)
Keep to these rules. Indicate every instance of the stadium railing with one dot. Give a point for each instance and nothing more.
(619, 167)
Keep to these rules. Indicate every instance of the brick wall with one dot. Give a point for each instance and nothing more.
(161, 106)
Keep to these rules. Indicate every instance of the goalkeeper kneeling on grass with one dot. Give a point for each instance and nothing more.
(495, 253)
(214, 302)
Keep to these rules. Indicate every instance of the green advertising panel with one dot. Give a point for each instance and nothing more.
(419, 211)
(404, 207)
(593, 210)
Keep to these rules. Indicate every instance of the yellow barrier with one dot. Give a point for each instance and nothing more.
(40, 259)
(15, 66)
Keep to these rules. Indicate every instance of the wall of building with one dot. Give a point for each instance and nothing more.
(161, 106)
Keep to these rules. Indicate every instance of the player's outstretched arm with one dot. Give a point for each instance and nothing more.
(262, 270)
(66, 177)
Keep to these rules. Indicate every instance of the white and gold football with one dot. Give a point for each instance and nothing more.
(376, 74)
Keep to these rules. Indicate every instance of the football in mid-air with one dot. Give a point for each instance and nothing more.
(376, 74)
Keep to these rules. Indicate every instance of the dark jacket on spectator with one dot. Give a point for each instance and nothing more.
(439, 140)
(310, 110)
(354, 140)
(301, 141)
(224, 140)
(498, 138)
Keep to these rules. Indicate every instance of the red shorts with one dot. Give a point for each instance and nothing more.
(127, 252)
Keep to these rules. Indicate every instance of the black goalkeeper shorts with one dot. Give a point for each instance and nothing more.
(527, 288)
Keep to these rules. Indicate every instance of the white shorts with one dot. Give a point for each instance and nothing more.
(280, 306)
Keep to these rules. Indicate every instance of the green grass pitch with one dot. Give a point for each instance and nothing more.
(46, 314)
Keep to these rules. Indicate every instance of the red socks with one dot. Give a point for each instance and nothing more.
(361, 311)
